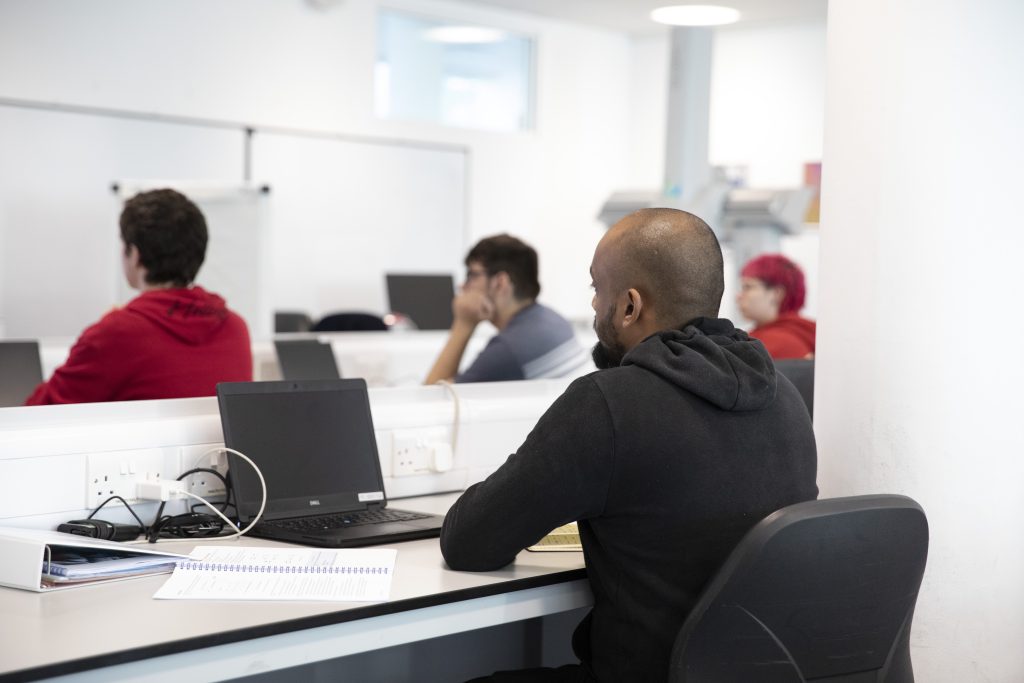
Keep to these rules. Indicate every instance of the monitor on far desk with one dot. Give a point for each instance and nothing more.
(21, 371)
(426, 300)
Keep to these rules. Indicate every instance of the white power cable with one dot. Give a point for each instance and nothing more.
(238, 533)
(455, 420)
(263, 501)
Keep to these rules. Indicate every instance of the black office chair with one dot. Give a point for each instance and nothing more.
(818, 591)
(801, 373)
(291, 321)
(350, 322)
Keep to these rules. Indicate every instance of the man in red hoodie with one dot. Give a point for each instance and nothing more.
(175, 339)
(772, 292)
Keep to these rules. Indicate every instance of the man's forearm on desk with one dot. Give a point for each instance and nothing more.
(447, 364)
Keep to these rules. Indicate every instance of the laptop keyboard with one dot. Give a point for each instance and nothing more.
(346, 519)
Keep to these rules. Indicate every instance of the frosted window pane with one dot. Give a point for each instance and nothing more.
(452, 73)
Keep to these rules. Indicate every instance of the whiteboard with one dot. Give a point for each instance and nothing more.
(341, 213)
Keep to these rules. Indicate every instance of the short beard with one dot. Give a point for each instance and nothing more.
(605, 357)
(609, 350)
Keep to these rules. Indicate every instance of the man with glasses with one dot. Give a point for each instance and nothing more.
(532, 342)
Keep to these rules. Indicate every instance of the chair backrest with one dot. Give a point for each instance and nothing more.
(801, 373)
(823, 590)
(350, 322)
(21, 370)
(291, 321)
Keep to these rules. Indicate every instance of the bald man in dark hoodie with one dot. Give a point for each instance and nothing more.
(666, 456)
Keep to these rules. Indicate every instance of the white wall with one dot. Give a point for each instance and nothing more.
(767, 100)
(918, 369)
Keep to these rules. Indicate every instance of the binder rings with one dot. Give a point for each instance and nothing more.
(29, 560)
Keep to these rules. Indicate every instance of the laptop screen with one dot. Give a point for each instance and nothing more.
(424, 299)
(313, 440)
(306, 359)
(20, 371)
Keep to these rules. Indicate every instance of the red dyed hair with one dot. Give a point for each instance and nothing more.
(775, 270)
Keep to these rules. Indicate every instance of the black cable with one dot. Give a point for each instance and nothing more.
(142, 526)
(208, 470)
(162, 522)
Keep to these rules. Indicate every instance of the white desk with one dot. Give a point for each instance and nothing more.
(116, 631)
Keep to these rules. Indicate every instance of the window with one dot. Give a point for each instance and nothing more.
(452, 73)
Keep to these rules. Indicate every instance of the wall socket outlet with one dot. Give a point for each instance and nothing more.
(421, 451)
(204, 484)
(116, 473)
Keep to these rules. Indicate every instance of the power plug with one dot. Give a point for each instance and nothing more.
(160, 490)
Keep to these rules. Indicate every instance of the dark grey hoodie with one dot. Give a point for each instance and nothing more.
(666, 461)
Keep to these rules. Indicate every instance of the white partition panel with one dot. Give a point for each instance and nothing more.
(49, 455)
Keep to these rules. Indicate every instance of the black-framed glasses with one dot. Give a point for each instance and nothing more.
(474, 273)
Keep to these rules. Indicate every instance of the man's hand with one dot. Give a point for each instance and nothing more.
(472, 307)
(469, 309)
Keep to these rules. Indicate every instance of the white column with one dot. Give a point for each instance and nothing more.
(920, 368)
(687, 169)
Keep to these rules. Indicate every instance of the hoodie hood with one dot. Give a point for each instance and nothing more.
(711, 359)
(192, 315)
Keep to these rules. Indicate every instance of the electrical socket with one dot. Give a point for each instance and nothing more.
(204, 484)
(117, 473)
(421, 451)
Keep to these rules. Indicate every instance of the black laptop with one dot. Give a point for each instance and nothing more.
(306, 359)
(314, 442)
(21, 371)
(426, 300)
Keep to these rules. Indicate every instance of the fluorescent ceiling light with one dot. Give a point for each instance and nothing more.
(695, 15)
(464, 34)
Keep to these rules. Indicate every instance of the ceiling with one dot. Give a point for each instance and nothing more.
(633, 15)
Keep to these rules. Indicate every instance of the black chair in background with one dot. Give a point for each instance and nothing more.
(801, 373)
(350, 322)
(291, 321)
(21, 371)
(818, 591)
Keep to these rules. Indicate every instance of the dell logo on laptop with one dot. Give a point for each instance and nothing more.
(314, 502)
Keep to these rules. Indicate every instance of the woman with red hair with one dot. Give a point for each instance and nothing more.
(772, 291)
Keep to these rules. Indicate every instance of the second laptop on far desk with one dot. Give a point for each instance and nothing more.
(306, 359)
(315, 445)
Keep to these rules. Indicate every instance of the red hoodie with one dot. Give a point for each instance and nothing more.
(788, 336)
(165, 343)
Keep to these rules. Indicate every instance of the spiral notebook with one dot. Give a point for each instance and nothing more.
(247, 573)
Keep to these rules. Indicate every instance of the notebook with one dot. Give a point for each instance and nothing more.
(306, 359)
(20, 371)
(565, 538)
(314, 442)
(425, 299)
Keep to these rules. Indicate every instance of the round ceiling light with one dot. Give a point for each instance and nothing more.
(464, 35)
(695, 15)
